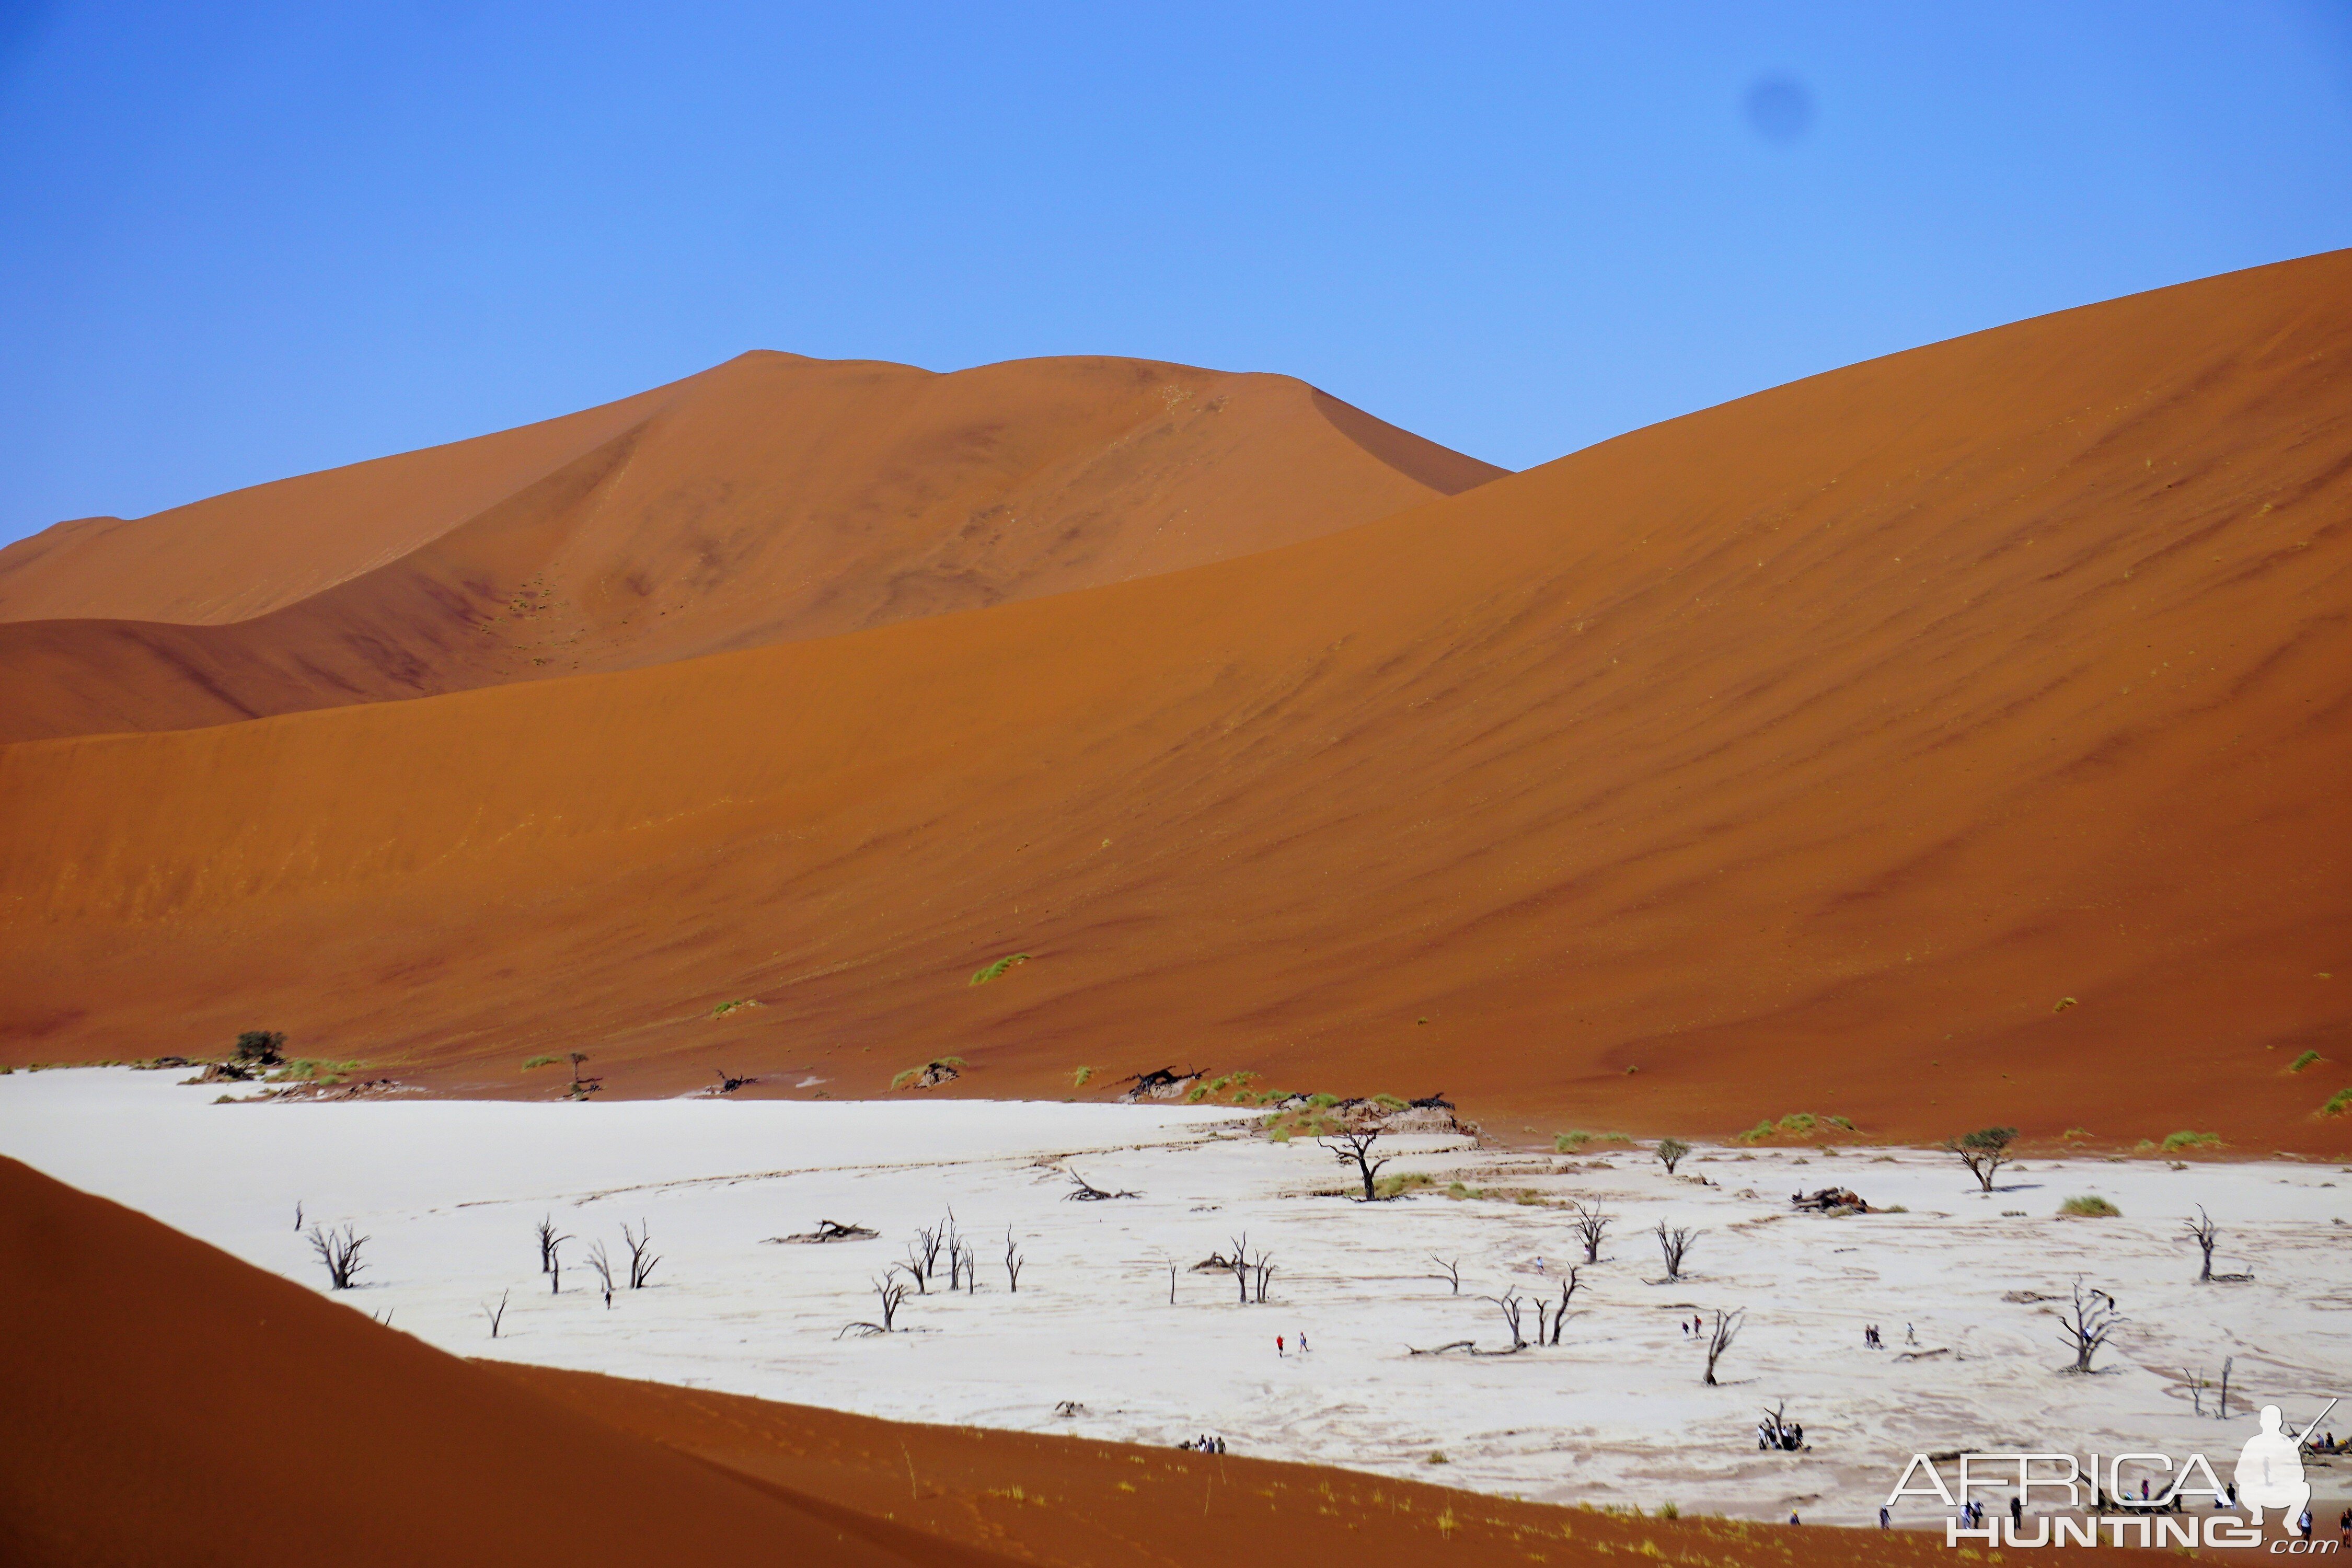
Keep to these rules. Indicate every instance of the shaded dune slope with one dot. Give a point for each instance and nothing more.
(772, 498)
(1801, 754)
(169, 1403)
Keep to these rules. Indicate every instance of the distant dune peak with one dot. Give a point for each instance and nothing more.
(774, 497)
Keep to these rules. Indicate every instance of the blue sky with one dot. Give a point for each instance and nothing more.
(238, 243)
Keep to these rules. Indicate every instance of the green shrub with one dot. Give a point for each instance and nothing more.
(2090, 1206)
(1668, 1511)
(2178, 1141)
(531, 1062)
(259, 1047)
(1570, 1141)
(1405, 1181)
(999, 967)
(2338, 1103)
(1079, 1080)
(735, 1006)
(2074, 1134)
(2303, 1061)
(1322, 1102)
(1388, 1103)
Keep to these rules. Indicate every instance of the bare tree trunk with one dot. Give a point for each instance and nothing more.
(1449, 1272)
(1509, 1305)
(1726, 1329)
(2207, 1235)
(1566, 1294)
(494, 1314)
(602, 1267)
(1011, 1264)
(641, 1257)
(1591, 1225)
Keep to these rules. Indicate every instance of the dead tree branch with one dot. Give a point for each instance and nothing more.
(1567, 1293)
(1509, 1304)
(2085, 1326)
(1449, 1271)
(548, 1242)
(1012, 1261)
(889, 1292)
(2207, 1234)
(1590, 1225)
(602, 1267)
(340, 1251)
(497, 1313)
(1085, 1191)
(1719, 1340)
(642, 1258)
(1674, 1243)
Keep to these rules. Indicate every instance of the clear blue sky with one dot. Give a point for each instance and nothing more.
(240, 242)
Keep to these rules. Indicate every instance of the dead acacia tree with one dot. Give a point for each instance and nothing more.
(2227, 1363)
(1719, 1338)
(971, 1270)
(1172, 1282)
(1239, 1263)
(1356, 1148)
(1670, 1153)
(340, 1251)
(1085, 1191)
(1509, 1304)
(728, 1083)
(1263, 1270)
(1590, 1225)
(497, 1313)
(924, 1252)
(889, 1292)
(1012, 1261)
(555, 1266)
(2085, 1326)
(641, 1257)
(548, 1242)
(2207, 1234)
(602, 1267)
(1448, 1271)
(1676, 1242)
(1568, 1287)
(298, 1217)
(952, 1243)
(1984, 1152)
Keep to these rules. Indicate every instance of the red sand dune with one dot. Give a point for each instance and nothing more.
(770, 499)
(1805, 753)
(169, 1403)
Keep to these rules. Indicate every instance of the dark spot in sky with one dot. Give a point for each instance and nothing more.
(1779, 108)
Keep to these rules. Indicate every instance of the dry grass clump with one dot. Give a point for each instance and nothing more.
(2090, 1206)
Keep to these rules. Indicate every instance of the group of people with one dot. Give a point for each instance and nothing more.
(1203, 1443)
(1282, 1344)
(1697, 1325)
(1787, 1436)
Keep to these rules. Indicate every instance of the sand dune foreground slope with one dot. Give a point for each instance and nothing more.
(169, 1403)
(771, 498)
(1958, 737)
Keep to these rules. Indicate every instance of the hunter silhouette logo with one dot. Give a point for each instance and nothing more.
(2268, 1479)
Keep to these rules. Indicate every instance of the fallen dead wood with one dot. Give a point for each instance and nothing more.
(1085, 1191)
(830, 1230)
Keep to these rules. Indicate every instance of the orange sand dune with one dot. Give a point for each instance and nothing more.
(169, 1403)
(770, 499)
(1806, 753)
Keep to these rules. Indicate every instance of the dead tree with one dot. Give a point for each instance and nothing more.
(2085, 1326)
(298, 1217)
(1263, 1270)
(971, 1270)
(1676, 1242)
(1012, 1261)
(728, 1083)
(1356, 1148)
(1239, 1263)
(2227, 1363)
(602, 1267)
(641, 1257)
(2206, 1234)
(1085, 1191)
(918, 1266)
(832, 1230)
(340, 1251)
(1670, 1153)
(1589, 1225)
(555, 1266)
(1172, 1282)
(889, 1292)
(1566, 1294)
(1509, 1305)
(548, 1242)
(1451, 1272)
(494, 1314)
(1719, 1338)
(924, 1251)
(1984, 1152)
(951, 1242)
